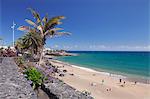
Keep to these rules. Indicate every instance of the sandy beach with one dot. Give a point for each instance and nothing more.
(101, 85)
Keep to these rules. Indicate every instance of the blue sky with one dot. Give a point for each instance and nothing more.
(94, 24)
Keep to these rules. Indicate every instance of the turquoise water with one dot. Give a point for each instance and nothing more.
(125, 63)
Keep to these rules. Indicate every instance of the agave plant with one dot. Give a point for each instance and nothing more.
(45, 27)
(35, 76)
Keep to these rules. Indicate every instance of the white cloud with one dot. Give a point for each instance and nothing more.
(75, 46)
(56, 46)
(120, 47)
(132, 48)
(98, 47)
(65, 47)
(101, 47)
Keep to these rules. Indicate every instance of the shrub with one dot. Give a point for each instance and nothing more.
(21, 60)
(35, 76)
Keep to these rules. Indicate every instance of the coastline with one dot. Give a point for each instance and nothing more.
(129, 77)
(91, 81)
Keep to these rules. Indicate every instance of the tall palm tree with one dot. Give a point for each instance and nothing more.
(45, 27)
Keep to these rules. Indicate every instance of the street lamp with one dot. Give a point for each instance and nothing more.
(13, 29)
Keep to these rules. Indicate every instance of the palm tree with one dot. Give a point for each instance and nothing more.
(45, 27)
(31, 41)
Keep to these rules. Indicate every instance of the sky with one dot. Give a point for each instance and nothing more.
(101, 25)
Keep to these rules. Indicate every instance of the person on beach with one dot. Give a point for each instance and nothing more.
(135, 82)
(102, 81)
(109, 89)
(93, 74)
(120, 80)
(124, 83)
(93, 84)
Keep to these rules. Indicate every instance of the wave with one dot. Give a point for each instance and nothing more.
(93, 70)
(99, 72)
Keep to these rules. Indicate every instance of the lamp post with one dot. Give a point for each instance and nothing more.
(13, 29)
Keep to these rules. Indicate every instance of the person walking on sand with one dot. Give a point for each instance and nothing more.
(135, 82)
(102, 81)
(109, 89)
(120, 80)
(124, 83)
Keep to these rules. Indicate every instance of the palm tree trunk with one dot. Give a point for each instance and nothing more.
(42, 48)
(41, 55)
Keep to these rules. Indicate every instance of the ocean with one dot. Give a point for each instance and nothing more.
(131, 64)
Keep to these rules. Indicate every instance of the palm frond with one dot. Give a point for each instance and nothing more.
(52, 30)
(24, 28)
(57, 29)
(62, 33)
(54, 21)
(57, 34)
(40, 28)
(35, 14)
(31, 22)
(45, 19)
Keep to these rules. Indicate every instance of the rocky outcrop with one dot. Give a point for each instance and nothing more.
(13, 85)
(60, 90)
(61, 54)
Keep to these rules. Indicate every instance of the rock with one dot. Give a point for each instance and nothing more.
(61, 75)
(61, 90)
(13, 85)
(65, 71)
(71, 74)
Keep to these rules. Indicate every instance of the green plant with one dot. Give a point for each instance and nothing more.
(31, 42)
(35, 76)
(20, 60)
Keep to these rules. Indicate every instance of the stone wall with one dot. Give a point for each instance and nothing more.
(13, 85)
(63, 91)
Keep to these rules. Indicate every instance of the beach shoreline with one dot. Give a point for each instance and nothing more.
(128, 77)
(99, 83)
